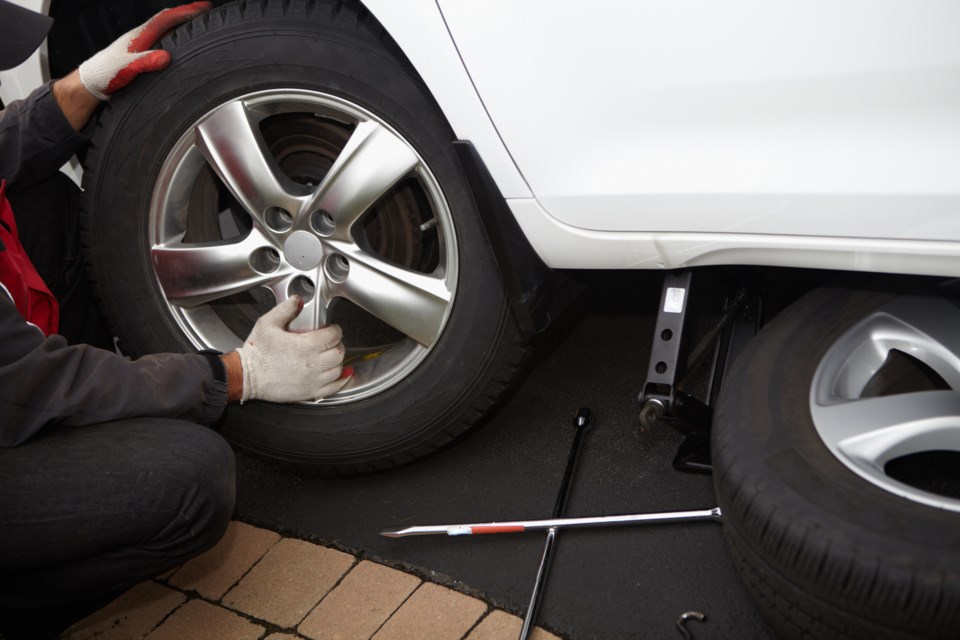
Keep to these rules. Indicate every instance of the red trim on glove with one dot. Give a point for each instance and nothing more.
(153, 61)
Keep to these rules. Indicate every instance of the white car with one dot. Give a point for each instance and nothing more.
(431, 173)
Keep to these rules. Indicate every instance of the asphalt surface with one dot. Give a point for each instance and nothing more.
(630, 582)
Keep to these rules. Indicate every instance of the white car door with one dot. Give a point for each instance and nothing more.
(813, 118)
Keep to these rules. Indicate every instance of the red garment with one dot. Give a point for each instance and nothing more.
(30, 294)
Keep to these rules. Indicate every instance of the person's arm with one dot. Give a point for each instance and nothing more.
(74, 100)
(44, 381)
(36, 138)
(234, 372)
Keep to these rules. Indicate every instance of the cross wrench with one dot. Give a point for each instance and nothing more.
(580, 422)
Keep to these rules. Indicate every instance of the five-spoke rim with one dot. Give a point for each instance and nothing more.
(866, 433)
(302, 234)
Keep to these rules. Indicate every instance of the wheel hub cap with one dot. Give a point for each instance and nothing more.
(303, 250)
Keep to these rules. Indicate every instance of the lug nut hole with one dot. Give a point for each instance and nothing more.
(265, 260)
(278, 219)
(303, 287)
(336, 267)
(323, 223)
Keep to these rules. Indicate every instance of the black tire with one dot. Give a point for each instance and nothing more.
(825, 553)
(337, 48)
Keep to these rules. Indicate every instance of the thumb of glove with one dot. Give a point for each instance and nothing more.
(281, 315)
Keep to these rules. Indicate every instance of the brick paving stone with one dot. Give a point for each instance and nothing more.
(131, 616)
(282, 636)
(360, 604)
(433, 612)
(199, 620)
(542, 634)
(213, 573)
(288, 582)
(496, 626)
(501, 625)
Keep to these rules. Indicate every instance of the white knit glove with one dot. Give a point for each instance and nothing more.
(117, 65)
(281, 366)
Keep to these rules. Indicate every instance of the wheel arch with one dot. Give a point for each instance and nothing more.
(419, 29)
(537, 293)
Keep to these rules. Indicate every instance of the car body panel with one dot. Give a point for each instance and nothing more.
(809, 118)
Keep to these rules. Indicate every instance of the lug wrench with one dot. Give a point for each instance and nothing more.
(581, 422)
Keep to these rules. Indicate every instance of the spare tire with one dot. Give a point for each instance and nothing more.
(291, 149)
(836, 449)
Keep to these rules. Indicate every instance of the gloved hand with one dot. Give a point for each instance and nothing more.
(117, 65)
(281, 366)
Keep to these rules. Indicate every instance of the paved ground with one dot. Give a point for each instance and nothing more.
(256, 584)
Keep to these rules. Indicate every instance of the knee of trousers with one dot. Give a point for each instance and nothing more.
(200, 472)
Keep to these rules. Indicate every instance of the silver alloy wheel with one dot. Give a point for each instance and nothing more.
(285, 192)
(867, 433)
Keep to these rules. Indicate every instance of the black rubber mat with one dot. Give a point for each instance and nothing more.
(630, 582)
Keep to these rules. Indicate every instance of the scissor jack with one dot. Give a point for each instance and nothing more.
(673, 369)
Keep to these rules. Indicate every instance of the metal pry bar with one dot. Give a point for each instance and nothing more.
(520, 526)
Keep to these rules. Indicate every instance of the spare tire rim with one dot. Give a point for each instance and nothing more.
(868, 433)
(292, 192)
